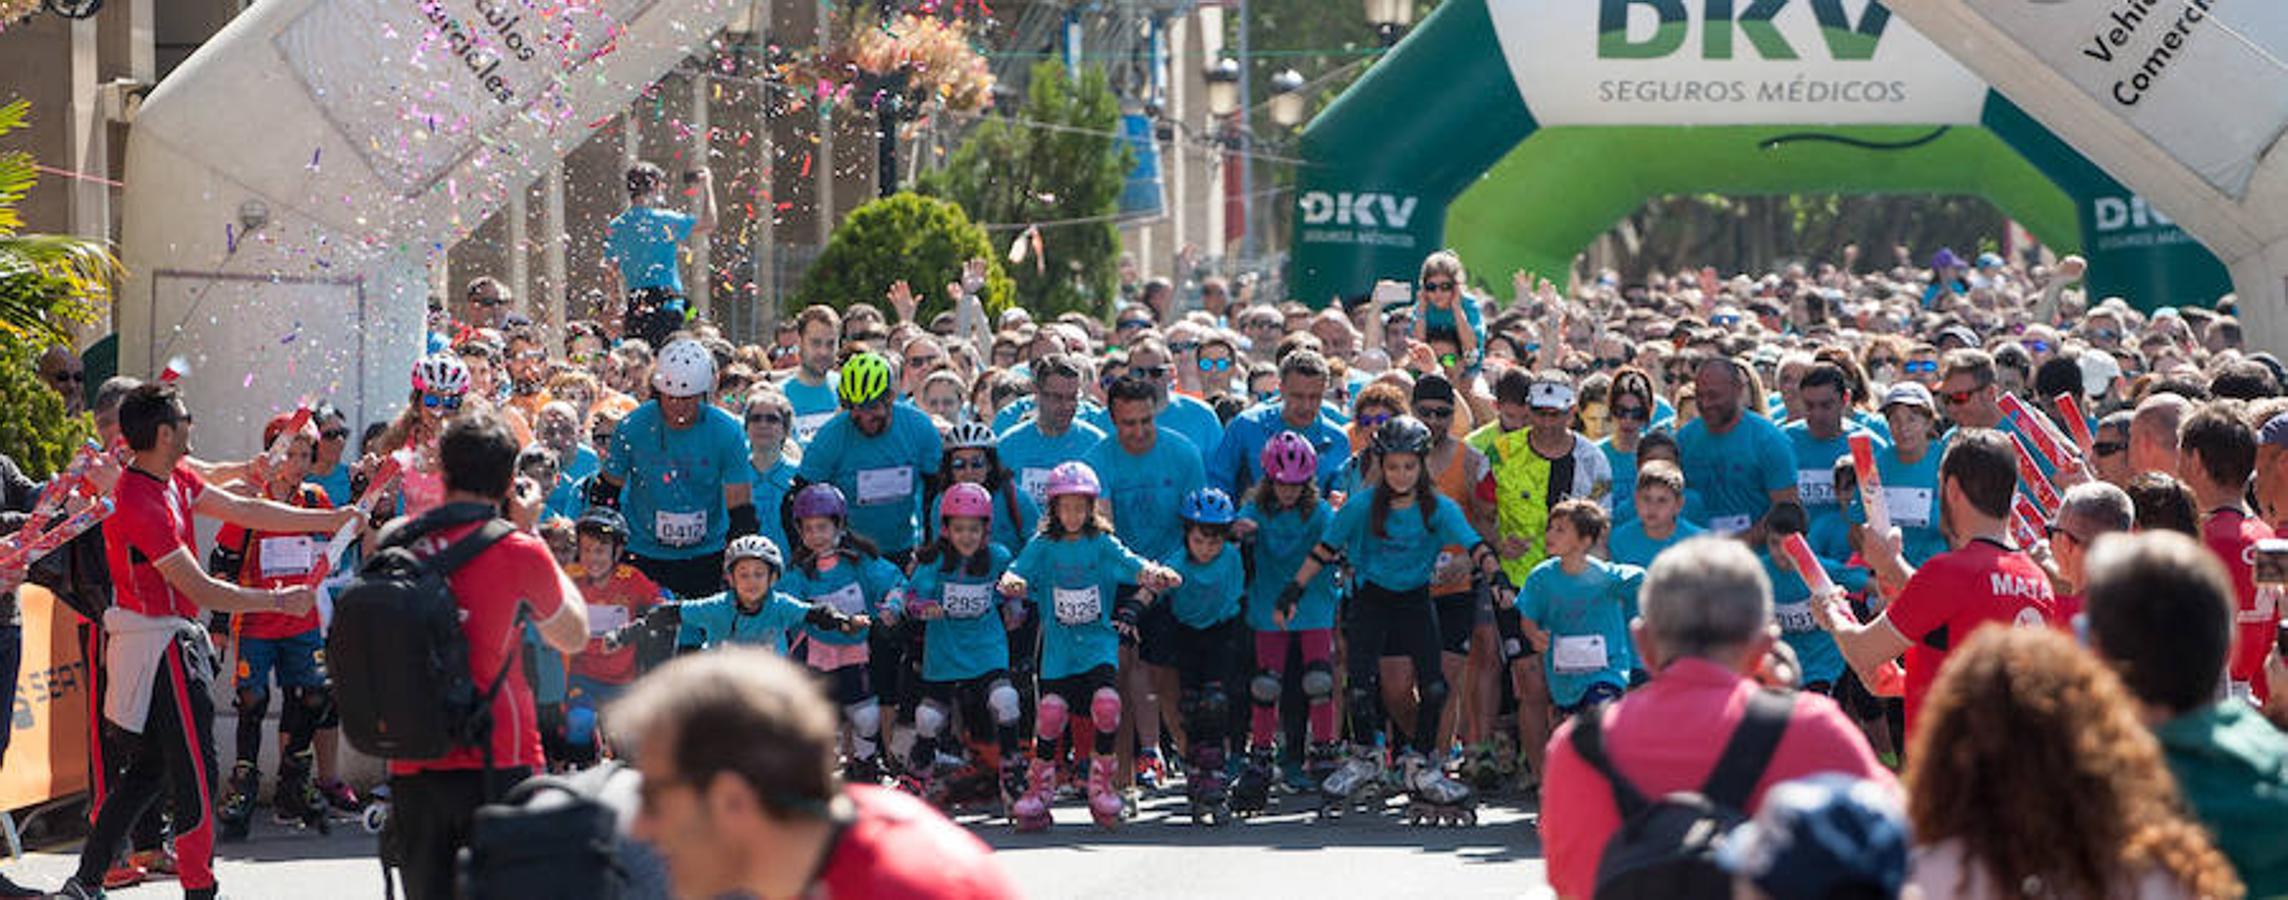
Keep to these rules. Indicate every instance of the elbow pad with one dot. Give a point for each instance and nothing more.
(225, 564)
(826, 618)
(1326, 555)
(744, 521)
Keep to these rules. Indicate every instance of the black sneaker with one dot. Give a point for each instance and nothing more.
(10, 890)
(73, 890)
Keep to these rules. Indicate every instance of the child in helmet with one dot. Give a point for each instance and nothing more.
(616, 594)
(840, 569)
(965, 647)
(1070, 569)
(440, 388)
(1206, 639)
(750, 612)
(1283, 519)
(972, 457)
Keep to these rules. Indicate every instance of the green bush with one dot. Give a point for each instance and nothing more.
(34, 430)
(922, 240)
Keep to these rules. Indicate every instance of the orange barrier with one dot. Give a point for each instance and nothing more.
(47, 755)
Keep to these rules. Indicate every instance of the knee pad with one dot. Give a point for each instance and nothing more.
(1003, 702)
(1364, 695)
(865, 718)
(1104, 710)
(325, 713)
(1052, 717)
(1432, 692)
(1214, 703)
(252, 702)
(1318, 681)
(930, 719)
(1264, 688)
(296, 715)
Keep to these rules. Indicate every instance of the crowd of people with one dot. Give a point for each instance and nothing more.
(1594, 543)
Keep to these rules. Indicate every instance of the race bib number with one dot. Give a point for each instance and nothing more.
(887, 485)
(604, 618)
(967, 601)
(1795, 618)
(1815, 486)
(807, 426)
(288, 557)
(1036, 484)
(1579, 653)
(849, 600)
(1077, 606)
(1727, 526)
(679, 529)
(1910, 506)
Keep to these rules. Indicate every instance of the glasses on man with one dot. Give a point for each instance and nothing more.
(1373, 419)
(487, 300)
(1134, 324)
(1215, 365)
(334, 434)
(1183, 346)
(1611, 362)
(2109, 448)
(1958, 398)
(1152, 372)
(1882, 361)
(918, 363)
(441, 401)
(71, 377)
(765, 418)
(1922, 367)
(1433, 411)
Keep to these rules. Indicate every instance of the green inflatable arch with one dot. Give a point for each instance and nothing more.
(1440, 146)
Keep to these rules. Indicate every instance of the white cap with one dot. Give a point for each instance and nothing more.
(1549, 395)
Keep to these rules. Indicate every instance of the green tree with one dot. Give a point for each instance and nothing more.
(1059, 162)
(34, 429)
(920, 240)
(48, 282)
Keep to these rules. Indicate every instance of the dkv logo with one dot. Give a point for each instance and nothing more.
(2117, 213)
(1369, 210)
(1672, 24)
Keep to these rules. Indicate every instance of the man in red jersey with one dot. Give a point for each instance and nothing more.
(1984, 579)
(158, 655)
(740, 797)
(2217, 454)
(433, 802)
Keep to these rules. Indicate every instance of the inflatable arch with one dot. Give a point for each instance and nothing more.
(1517, 131)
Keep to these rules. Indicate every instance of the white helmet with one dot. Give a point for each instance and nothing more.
(969, 435)
(684, 369)
(753, 546)
(441, 373)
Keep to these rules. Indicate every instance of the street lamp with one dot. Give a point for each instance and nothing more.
(1287, 98)
(1389, 18)
(1223, 87)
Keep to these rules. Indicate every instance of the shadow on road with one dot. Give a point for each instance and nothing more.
(1504, 833)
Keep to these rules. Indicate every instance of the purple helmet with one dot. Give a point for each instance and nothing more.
(1073, 477)
(820, 501)
(1289, 459)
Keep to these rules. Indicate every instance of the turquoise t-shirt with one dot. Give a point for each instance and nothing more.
(813, 406)
(1910, 495)
(1147, 491)
(1211, 590)
(672, 480)
(1624, 466)
(882, 477)
(770, 495)
(1071, 582)
(854, 588)
(1587, 617)
(642, 241)
(1236, 462)
(1630, 545)
(336, 484)
(971, 639)
(1195, 420)
(1282, 543)
(1815, 467)
(1735, 472)
(1020, 410)
(1402, 559)
(1029, 455)
(1814, 649)
(719, 620)
(1009, 530)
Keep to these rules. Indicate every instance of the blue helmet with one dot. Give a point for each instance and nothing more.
(1209, 506)
(1819, 835)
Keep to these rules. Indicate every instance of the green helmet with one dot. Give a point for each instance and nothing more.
(865, 379)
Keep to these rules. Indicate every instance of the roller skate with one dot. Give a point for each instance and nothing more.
(1030, 812)
(339, 795)
(1104, 803)
(236, 818)
(1251, 793)
(1432, 798)
(1204, 786)
(862, 770)
(1012, 784)
(1356, 781)
(1151, 769)
(1482, 768)
(296, 800)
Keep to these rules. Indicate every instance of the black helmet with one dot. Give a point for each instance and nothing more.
(1403, 434)
(603, 520)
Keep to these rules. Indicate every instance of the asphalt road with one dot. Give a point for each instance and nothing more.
(1282, 854)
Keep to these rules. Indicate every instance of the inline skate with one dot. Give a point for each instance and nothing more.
(1251, 793)
(1204, 786)
(1432, 798)
(1356, 781)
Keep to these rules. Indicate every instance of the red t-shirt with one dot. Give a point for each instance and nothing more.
(517, 573)
(2232, 536)
(1955, 593)
(278, 560)
(901, 847)
(629, 593)
(151, 518)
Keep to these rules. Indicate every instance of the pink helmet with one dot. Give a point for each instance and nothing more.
(1073, 477)
(965, 501)
(1289, 459)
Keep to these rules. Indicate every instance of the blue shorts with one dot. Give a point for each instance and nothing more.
(295, 659)
(1597, 694)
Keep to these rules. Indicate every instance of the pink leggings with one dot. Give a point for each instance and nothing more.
(1318, 645)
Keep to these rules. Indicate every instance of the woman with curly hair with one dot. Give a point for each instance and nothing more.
(2031, 776)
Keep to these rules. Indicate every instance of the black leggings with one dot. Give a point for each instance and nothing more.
(1210, 664)
(173, 756)
(1382, 623)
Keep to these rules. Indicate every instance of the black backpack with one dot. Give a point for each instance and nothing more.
(397, 654)
(560, 837)
(1667, 847)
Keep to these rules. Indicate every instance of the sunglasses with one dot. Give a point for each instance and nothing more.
(1183, 346)
(1724, 320)
(73, 377)
(482, 300)
(1437, 287)
(2104, 333)
(1134, 324)
(964, 465)
(918, 363)
(1631, 413)
(599, 438)
(767, 418)
(1371, 420)
(334, 434)
(2053, 532)
(1921, 366)
(1425, 411)
(2036, 346)
(1449, 360)
(1958, 398)
(1215, 365)
(2108, 448)
(1881, 361)
(1614, 362)
(1148, 371)
(441, 401)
